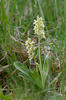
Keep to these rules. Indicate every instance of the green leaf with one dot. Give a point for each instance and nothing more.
(27, 78)
(45, 70)
(46, 66)
(29, 74)
(37, 79)
(22, 68)
(55, 79)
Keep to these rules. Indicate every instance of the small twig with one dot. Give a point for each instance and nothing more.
(3, 58)
(3, 67)
(16, 40)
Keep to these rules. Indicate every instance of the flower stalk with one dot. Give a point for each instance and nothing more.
(39, 55)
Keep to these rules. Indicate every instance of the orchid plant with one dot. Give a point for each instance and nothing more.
(38, 76)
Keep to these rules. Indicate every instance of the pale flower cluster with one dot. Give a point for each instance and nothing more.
(30, 48)
(39, 27)
(39, 31)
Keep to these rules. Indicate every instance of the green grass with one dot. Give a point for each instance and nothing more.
(16, 24)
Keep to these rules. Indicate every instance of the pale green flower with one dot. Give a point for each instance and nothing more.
(39, 27)
(30, 48)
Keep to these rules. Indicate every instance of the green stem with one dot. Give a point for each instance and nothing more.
(39, 55)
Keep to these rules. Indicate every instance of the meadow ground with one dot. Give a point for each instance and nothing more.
(32, 50)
